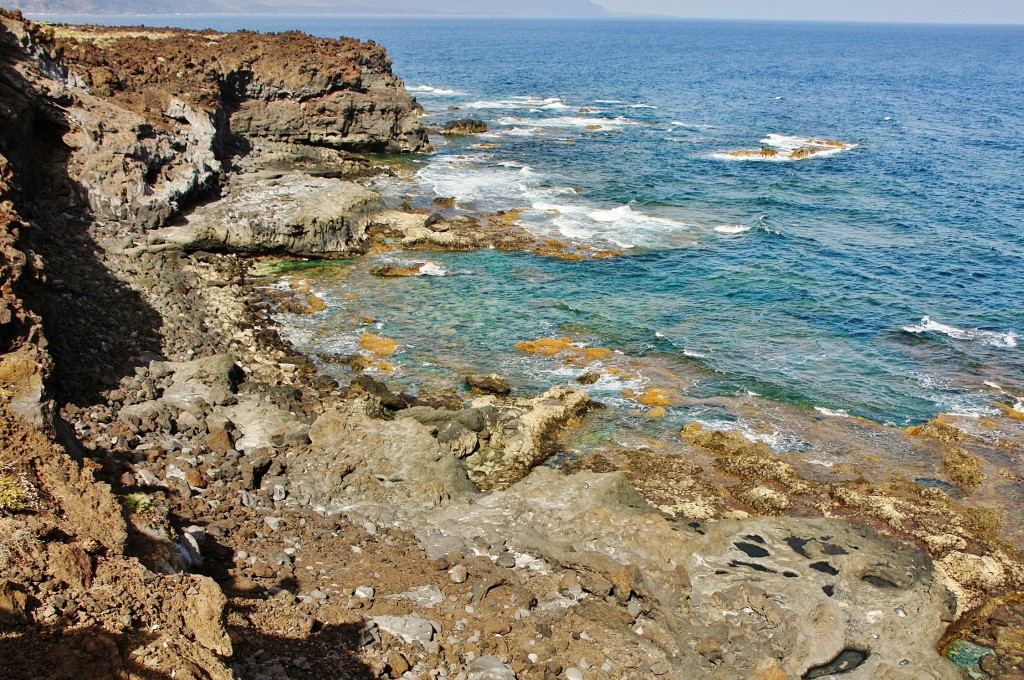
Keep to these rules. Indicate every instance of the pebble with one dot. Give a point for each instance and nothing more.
(273, 522)
(365, 592)
(573, 673)
(458, 574)
(506, 559)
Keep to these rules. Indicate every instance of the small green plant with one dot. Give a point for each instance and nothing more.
(138, 503)
(16, 492)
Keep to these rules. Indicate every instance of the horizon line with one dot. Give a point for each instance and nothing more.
(608, 17)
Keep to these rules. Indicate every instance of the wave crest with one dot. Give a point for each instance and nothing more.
(991, 338)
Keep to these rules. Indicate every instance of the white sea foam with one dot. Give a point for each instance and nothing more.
(432, 269)
(641, 106)
(607, 383)
(495, 187)
(622, 225)
(609, 101)
(776, 441)
(696, 126)
(512, 103)
(837, 413)
(430, 89)
(991, 338)
(732, 229)
(567, 122)
(552, 206)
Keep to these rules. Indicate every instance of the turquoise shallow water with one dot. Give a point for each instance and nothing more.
(885, 280)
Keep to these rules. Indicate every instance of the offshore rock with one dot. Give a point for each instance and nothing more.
(489, 384)
(464, 126)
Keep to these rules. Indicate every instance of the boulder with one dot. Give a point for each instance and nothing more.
(489, 384)
(295, 214)
(464, 126)
(211, 379)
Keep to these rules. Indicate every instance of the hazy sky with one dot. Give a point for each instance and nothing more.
(945, 11)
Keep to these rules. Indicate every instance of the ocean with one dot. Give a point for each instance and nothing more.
(879, 275)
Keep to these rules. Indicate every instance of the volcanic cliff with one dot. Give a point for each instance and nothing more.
(183, 495)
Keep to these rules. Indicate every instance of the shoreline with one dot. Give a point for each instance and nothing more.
(347, 520)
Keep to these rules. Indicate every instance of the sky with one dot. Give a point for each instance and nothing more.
(924, 11)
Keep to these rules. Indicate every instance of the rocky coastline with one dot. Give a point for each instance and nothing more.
(183, 495)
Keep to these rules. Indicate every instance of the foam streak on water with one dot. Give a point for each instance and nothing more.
(991, 338)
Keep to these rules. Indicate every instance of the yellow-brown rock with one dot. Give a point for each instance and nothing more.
(378, 344)
(545, 346)
(655, 396)
(963, 467)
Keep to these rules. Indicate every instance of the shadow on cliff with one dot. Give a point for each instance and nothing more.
(97, 328)
(324, 651)
(51, 653)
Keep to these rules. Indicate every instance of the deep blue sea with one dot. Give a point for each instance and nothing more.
(883, 279)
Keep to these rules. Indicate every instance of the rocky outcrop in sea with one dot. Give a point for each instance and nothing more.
(183, 495)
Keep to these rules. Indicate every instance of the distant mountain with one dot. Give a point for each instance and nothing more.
(497, 8)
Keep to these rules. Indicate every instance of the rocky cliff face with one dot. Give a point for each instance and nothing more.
(152, 116)
(104, 136)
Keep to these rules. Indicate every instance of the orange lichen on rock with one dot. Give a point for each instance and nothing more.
(596, 353)
(1012, 412)
(548, 347)
(655, 396)
(657, 412)
(377, 344)
(620, 372)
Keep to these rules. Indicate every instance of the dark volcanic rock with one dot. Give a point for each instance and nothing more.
(489, 384)
(464, 126)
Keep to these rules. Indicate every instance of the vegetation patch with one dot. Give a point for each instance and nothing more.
(17, 493)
